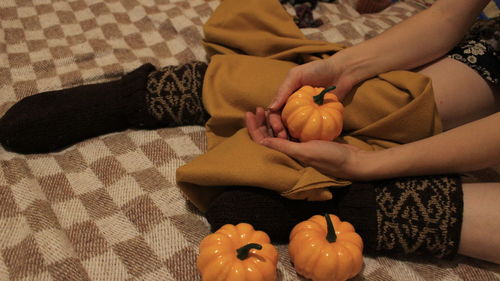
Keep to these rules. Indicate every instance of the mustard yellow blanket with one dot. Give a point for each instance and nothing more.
(252, 46)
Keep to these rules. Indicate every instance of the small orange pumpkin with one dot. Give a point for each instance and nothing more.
(321, 252)
(237, 253)
(313, 114)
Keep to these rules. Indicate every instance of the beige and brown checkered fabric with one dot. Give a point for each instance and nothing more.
(108, 208)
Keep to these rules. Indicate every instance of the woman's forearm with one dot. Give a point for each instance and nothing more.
(414, 42)
(470, 147)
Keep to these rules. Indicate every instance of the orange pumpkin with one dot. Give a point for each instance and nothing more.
(313, 114)
(322, 252)
(237, 253)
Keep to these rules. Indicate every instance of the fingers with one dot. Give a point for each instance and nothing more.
(287, 147)
(277, 126)
(251, 124)
(260, 116)
(265, 124)
(289, 85)
(256, 125)
(344, 86)
(259, 132)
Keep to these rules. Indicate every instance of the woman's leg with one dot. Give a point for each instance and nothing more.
(461, 94)
(144, 98)
(480, 226)
(404, 216)
(276, 215)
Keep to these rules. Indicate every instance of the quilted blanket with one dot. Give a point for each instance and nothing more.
(108, 208)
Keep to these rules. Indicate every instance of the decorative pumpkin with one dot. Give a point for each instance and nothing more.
(313, 114)
(237, 253)
(321, 252)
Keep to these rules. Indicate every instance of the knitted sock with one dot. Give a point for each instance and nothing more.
(50, 121)
(409, 216)
(276, 215)
(419, 215)
(174, 94)
(53, 120)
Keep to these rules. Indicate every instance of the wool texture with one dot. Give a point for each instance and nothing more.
(51, 121)
(174, 94)
(145, 98)
(405, 216)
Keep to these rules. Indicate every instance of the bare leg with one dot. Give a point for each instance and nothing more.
(461, 94)
(480, 226)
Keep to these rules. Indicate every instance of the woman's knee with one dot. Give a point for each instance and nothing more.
(461, 94)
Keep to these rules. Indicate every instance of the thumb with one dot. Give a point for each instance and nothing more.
(344, 86)
(287, 87)
(287, 147)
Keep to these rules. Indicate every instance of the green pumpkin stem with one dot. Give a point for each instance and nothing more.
(318, 99)
(242, 253)
(330, 235)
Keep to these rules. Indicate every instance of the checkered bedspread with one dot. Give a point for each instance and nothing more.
(108, 208)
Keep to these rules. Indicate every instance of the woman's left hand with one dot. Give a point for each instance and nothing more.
(328, 157)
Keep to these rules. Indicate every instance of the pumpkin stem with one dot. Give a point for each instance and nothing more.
(242, 253)
(318, 99)
(330, 235)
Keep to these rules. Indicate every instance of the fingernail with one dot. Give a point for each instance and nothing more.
(272, 105)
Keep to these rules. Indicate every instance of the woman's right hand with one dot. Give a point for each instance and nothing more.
(319, 73)
(328, 157)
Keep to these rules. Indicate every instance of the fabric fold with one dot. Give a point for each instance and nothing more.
(252, 47)
(262, 29)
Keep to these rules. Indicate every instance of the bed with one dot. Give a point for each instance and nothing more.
(108, 208)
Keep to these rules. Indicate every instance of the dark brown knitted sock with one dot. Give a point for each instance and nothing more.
(144, 98)
(406, 216)
(50, 121)
(276, 215)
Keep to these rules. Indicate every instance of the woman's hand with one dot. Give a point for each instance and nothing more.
(330, 158)
(454, 151)
(320, 73)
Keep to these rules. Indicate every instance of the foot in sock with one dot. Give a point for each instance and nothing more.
(404, 216)
(51, 121)
(277, 215)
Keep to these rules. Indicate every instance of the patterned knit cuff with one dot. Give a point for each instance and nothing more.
(174, 94)
(420, 215)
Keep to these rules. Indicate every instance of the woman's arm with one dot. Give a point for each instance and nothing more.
(416, 41)
(470, 147)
